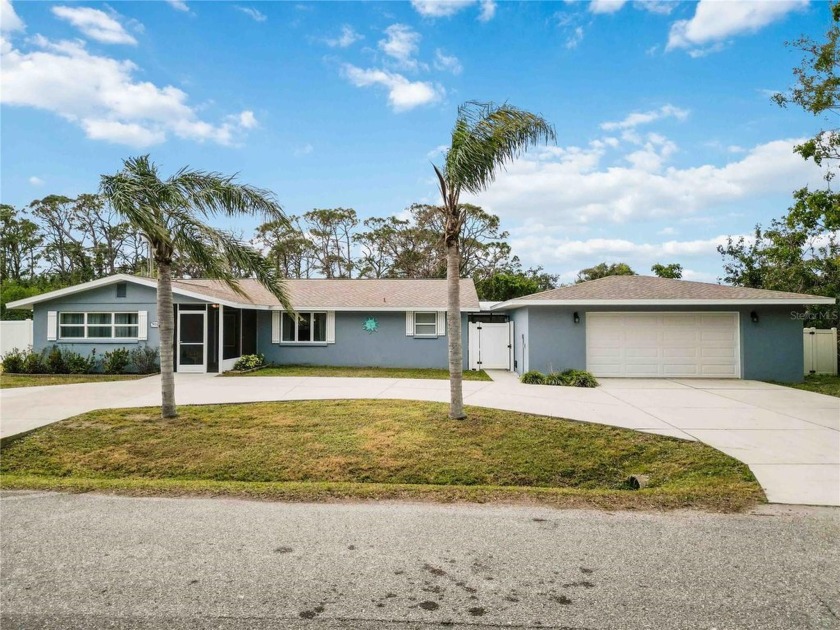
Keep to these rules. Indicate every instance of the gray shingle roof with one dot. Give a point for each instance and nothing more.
(642, 288)
(351, 294)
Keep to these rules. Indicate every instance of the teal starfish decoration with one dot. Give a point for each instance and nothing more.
(370, 326)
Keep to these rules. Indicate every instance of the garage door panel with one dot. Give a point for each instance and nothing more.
(663, 344)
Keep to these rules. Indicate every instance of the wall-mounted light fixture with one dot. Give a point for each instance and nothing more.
(754, 317)
(576, 318)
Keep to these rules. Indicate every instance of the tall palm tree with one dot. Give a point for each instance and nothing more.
(484, 138)
(170, 214)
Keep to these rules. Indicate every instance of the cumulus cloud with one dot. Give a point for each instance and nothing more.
(401, 44)
(255, 15)
(598, 183)
(449, 63)
(714, 22)
(347, 38)
(403, 94)
(36, 181)
(643, 118)
(9, 20)
(95, 24)
(178, 5)
(606, 6)
(447, 8)
(102, 96)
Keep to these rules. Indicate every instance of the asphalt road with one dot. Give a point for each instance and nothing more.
(95, 561)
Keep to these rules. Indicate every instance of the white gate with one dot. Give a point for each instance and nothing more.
(15, 334)
(491, 346)
(820, 351)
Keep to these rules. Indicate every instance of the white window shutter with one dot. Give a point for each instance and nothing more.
(143, 325)
(409, 323)
(330, 326)
(441, 323)
(275, 326)
(52, 325)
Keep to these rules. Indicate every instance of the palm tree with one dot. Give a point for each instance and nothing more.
(485, 137)
(169, 213)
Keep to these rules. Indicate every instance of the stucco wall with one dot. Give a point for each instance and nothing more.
(387, 347)
(770, 349)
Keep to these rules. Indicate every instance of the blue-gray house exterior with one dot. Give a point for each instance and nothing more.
(638, 323)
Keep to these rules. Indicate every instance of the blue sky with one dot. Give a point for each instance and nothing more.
(667, 140)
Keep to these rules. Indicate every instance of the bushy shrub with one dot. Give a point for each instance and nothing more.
(115, 361)
(579, 378)
(249, 362)
(75, 363)
(34, 363)
(54, 360)
(13, 360)
(144, 360)
(533, 377)
(554, 378)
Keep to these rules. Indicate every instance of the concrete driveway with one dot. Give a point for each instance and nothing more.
(789, 438)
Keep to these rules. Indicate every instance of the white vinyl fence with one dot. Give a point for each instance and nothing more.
(820, 351)
(15, 334)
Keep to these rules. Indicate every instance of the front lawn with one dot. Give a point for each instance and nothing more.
(322, 450)
(36, 380)
(820, 383)
(360, 372)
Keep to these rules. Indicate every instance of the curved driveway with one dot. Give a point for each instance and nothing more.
(789, 438)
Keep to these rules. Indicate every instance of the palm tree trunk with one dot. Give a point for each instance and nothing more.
(453, 324)
(167, 329)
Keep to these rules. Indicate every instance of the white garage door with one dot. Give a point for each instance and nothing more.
(646, 345)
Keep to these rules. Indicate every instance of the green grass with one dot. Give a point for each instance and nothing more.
(8, 381)
(820, 383)
(323, 450)
(361, 372)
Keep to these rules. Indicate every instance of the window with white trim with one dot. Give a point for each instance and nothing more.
(98, 325)
(305, 328)
(425, 324)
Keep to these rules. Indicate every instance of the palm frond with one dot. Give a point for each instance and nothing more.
(487, 136)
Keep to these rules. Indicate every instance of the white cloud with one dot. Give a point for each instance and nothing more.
(102, 96)
(439, 150)
(36, 181)
(9, 20)
(347, 38)
(447, 62)
(247, 120)
(714, 22)
(448, 8)
(662, 7)
(401, 44)
(95, 24)
(255, 15)
(606, 6)
(575, 38)
(643, 118)
(586, 186)
(178, 5)
(402, 93)
(306, 149)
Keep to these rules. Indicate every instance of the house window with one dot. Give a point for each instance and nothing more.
(122, 289)
(425, 324)
(305, 328)
(98, 326)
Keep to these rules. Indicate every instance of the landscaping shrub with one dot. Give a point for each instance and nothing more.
(34, 363)
(249, 362)
(533, 377)
(13, 360)
(144, 360)
(115, 361)
(579, 378)
(75, 363)
(55, 361)
(554, 378)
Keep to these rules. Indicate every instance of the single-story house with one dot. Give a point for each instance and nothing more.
(390, 323)
(619, 326)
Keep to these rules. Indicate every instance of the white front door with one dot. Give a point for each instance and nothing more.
(192, 341)
(663, 345)
(491, 345)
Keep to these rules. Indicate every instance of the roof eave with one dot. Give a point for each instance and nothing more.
(804, 301)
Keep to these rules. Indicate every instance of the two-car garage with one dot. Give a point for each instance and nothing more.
(661, 344)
